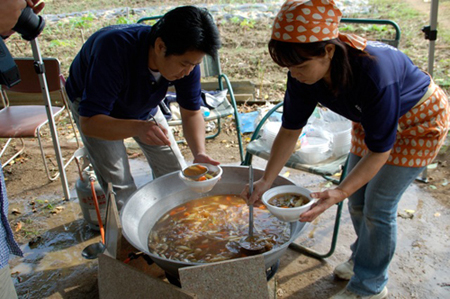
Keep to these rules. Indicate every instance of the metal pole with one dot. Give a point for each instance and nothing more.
(39, 67)
(433, 27)
(430, 34)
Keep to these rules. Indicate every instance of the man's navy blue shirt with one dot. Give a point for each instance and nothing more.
(111, 76)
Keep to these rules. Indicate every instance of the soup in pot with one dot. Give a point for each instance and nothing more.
(208, 229)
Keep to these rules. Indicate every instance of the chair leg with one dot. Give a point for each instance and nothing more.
(41, 147)
(16, 154)
(219, 129)
(315, 254)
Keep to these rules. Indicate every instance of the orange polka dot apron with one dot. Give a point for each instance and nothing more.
(420, 134)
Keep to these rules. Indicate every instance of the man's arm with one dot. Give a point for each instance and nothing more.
(110, 128)
(194, 131)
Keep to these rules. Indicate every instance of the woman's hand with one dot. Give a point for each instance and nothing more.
(259, 187)
(326, 199)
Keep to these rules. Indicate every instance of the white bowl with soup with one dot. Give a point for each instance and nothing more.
(206, 182)
(288, 202)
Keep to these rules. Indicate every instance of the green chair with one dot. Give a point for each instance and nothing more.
(210, 68)
(329, 167)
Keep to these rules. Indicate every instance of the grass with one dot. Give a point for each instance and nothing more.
(244, 40)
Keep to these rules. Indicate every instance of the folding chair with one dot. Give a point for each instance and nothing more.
(211, 68)
(24, 112)
(329, 167)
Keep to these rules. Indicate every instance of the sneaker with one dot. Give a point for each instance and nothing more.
(346, 294)
(345, 270)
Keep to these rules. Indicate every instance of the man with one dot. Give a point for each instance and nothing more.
(10, 11)
(117, 81)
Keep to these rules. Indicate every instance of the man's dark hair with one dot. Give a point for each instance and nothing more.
(187, 28)
(287, 54)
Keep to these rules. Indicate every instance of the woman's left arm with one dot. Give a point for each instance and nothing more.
(363, 172)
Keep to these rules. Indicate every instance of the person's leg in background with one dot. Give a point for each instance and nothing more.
(110, 162)
(7, 289)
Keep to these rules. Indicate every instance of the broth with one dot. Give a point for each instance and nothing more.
(208, 229)
(288, 200)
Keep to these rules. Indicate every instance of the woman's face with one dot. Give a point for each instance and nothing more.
(311, 71)
(315, 69)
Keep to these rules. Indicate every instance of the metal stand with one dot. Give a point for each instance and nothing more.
(40, 70)
(430, 34)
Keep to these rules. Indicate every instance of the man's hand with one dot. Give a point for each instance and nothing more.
(204, 158)
(10, 11)
(152, 134)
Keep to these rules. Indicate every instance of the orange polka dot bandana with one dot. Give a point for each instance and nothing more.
(302, 21)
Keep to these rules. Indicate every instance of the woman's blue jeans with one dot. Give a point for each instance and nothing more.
(373, 210)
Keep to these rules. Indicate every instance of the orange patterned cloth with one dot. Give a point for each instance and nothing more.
(421, 132)
(301, 21)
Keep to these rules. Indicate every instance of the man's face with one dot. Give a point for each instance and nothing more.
(174, 67)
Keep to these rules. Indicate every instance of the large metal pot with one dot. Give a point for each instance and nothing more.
(151, 201)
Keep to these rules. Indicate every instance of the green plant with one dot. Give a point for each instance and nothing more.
(82, 22)
(59, 43)
(235, 20)
(124, 20)
(247, 24)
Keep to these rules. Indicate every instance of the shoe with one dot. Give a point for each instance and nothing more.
(345, 270)
(346, 294)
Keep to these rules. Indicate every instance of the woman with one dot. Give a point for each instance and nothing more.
(400, 120)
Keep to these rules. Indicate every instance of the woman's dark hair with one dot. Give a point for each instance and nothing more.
(290, 54)
(187, 28)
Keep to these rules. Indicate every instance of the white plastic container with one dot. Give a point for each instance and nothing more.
(270, 131)
(342, 138)
(314, 150)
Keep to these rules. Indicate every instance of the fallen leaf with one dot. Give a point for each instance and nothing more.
(18, 226)
(406, 214)
(432, 166)
(15, 212)
(286, 174)
(57, 210)
(328, 184)
(437, 214)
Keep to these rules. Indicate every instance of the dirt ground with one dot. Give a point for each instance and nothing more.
(52, 231)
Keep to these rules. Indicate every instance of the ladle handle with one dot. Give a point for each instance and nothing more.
(250, 207)
(97, 210)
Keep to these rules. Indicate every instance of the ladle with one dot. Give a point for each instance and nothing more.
(195, 171)
(92, 251)
(250, 243)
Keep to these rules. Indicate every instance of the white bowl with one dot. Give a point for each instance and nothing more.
(203, 186)
(287, 214)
